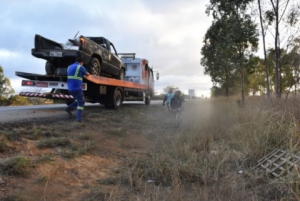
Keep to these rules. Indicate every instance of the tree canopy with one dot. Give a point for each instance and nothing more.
(232, 39)
(227, 43)
(6, 91)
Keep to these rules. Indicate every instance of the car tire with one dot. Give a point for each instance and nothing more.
(62, 71)
(49, 68)
(94, 67)
(122, 74)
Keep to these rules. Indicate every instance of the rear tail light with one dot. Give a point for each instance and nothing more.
(27, 83)
(30, 83)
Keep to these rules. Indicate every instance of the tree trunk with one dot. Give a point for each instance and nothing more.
(265, 52)
(242, 84)
(226, 83)
(277, 54)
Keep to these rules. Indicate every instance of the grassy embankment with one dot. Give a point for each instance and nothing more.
(213, 156)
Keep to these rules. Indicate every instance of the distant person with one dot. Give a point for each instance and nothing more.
(176, 105)
(176, 102)
(167, 98)
(76, 72)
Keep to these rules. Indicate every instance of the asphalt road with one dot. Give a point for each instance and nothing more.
(12, 114)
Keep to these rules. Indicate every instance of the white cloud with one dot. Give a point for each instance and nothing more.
(168, 33)
(7, 54)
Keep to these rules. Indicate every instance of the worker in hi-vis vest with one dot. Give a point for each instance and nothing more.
(76, 72)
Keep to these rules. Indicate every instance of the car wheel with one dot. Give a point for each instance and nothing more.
(122, 74)
(49, 68)
(95, 67)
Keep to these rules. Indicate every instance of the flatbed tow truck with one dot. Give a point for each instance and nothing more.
(137, 86)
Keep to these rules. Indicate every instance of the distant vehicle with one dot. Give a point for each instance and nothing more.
(99, 54)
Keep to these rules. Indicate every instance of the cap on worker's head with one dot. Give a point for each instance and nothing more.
(79, 58)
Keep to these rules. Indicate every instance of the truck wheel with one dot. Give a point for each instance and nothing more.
(95, 67)
(148, 100)
(117, 99)
(122, 74)
(49, 68)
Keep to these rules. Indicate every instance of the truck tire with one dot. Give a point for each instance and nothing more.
(94, 67)
(49, 68)
(148, 97)
(117, 99)
(148, 100)
(113, 99)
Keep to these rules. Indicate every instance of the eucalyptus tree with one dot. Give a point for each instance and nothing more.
(289, 64)
(295, 63)
(231, 38)
(256, 75)
(281, 20)
(216, 56)
(264, 49)
(6, 91)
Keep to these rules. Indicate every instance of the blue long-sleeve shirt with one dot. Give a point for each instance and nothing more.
(75, 76)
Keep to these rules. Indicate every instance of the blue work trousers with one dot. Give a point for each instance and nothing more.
(78, 103)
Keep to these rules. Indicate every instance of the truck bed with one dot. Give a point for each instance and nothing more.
(99, 80)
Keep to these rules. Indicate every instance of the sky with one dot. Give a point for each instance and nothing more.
(168, 33)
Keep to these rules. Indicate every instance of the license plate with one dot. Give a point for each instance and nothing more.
(53, 84)
(41, 84)
(55, 54)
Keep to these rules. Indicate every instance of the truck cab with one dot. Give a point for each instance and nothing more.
(138, 71)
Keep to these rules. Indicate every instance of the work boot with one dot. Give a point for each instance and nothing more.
(78, 115)
(69, 112)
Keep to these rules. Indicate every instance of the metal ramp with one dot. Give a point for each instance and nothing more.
(278, 162)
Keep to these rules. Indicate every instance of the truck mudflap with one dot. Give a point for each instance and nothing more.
(47, 95)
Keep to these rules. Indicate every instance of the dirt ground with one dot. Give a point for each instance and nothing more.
(92, 159)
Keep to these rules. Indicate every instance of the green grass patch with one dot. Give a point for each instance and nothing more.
(16, 166)
(54, 142)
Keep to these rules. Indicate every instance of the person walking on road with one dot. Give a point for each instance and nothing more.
(76, 72)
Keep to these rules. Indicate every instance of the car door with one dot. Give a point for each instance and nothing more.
(105, 56)
(115, 62)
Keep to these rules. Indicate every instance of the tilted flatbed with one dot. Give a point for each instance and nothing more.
(92, 78)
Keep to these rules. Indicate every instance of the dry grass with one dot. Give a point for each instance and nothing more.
(201, 160)
(212, 156)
